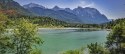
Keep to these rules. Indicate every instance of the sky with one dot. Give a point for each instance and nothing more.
(113, 9)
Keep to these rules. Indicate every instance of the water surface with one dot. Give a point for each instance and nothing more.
(60, 40)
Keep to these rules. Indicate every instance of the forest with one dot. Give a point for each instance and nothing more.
(48, 22)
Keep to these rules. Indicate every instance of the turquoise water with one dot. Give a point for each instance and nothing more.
(60, 40)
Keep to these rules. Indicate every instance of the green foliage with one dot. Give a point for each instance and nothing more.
(5, 44)
(116, 39)
(4, 40)
(35, 51)
(72, 52)
(96, 49)
(79, 51)
(24, 37)
(42, 21)
(54, 23)
(112, 23)
(3, 18)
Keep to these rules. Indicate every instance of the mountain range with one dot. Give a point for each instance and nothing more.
(78, 15)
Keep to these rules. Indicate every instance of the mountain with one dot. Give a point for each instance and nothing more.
(11, 7)
(78, 15)
(90, 15)
(30, 5)
(60, 15)
(56, 8)
(68, 10)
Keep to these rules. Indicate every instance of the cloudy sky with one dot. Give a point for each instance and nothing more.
(113, 9)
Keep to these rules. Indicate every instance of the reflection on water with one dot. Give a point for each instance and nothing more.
(85, 30)
(59, 40)
(66, 30)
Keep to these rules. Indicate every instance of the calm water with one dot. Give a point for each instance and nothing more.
(60, 40)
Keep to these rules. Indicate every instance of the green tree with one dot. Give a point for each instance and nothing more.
(35, 51)
(116, 39)
(78, 51)
(72, 52)
(5, 43)
(25, 38)
(96, 49)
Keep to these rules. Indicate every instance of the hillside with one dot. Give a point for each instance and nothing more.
(11, 7)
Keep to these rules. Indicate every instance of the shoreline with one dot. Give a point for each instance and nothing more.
(69, 28)
(73, 28)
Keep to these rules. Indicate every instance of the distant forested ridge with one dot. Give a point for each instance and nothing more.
(112, 23)
(50, 22)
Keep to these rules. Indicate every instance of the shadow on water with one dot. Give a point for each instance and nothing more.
(76, 30)
(88, 38)
(86, 30)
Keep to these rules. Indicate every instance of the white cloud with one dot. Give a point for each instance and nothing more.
(82, 3)
(72, 5)
(86, 4)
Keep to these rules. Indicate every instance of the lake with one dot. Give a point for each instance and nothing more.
(60, 40)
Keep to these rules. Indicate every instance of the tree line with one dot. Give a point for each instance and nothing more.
(51, 22)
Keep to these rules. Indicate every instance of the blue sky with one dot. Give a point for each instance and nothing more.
(113, 9)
